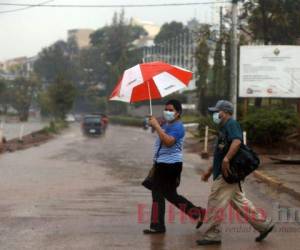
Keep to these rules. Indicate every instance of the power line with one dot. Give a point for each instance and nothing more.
(111, 5)
(24, 8)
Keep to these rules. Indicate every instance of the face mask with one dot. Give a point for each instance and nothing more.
(216, 118)
(169, 116)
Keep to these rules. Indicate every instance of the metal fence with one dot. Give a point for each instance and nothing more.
(179, 50)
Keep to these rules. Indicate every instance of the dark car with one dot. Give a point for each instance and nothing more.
(92, 125)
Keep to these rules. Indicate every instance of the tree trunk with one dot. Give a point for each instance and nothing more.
(201, 101)
(23, 116)
(258, 102)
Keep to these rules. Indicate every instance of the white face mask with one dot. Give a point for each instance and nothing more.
(216, 118)
(169, 115)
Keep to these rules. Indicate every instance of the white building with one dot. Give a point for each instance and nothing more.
(151, 28)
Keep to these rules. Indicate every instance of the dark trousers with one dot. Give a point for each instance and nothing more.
(167, 180)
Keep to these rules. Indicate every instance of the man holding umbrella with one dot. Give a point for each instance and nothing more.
(167, 169)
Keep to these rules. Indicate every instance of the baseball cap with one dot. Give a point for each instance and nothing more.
(222, 105)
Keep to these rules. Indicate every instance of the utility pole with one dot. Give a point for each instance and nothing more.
(234, 52)
(221, 21)
(168, 57)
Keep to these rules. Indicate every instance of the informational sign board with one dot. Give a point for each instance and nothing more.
(270, 71)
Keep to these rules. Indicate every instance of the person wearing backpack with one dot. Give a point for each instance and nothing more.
(224, 193)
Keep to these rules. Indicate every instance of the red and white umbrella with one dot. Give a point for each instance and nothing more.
(148, 81)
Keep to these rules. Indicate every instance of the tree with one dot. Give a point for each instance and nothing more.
(202, 56)
(55, 61)
(169, 30)
(61, 95)
(227, 71)
(21, 93)
(217, 85)
(44, 102)
(273, 21)
(95, 102)
(4, 95)
(93, 67)
(116, 52)
(111, 52)
(116, 40)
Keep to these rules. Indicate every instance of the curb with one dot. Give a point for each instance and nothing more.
(36, 139)
(276, 184)
(265, 178)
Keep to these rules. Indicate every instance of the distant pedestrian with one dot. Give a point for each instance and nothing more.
(104, 122)
(145, 123)
(222, 193)
(168, 167)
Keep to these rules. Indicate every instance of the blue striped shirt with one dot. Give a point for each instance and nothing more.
(174, 153)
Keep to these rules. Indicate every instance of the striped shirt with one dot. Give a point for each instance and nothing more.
(174, 153)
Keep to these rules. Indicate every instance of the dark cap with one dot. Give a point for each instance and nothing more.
(222, 105)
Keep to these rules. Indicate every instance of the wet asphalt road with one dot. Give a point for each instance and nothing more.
(84, 193)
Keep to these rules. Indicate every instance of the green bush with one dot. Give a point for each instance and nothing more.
(266, 126)
(55, 126)
(190, 118)
(207, 121)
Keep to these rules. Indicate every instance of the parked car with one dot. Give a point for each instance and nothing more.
(92, 125)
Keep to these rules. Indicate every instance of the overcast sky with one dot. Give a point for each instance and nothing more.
(26, 32)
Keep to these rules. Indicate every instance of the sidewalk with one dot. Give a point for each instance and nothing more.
(285, 178)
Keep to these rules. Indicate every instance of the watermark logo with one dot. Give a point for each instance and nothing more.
(231, 215)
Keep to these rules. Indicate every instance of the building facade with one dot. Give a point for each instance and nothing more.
(81, 36)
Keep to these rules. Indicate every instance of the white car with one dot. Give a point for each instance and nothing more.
(70, 118)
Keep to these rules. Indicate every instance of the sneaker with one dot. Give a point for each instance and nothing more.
(263, 235)
(208, 242)
(152, 231)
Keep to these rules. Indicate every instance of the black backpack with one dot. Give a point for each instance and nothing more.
(242, 164)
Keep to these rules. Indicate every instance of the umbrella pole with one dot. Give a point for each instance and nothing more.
(150, 101)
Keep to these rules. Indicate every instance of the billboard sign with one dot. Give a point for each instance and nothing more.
(270, 71)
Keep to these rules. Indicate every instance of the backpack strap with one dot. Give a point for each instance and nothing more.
(157, 152)
(240, 186)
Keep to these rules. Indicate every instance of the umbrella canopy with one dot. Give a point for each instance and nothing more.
(153, 80)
